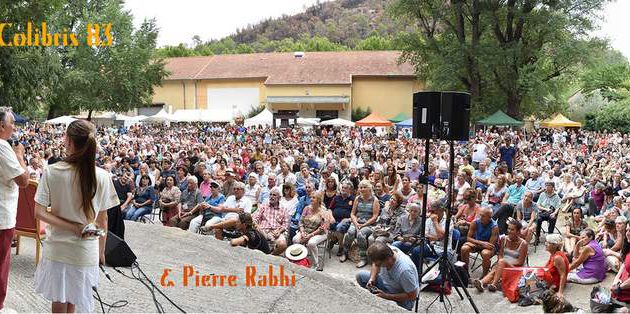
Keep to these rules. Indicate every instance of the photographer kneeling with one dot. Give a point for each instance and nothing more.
(393, 275)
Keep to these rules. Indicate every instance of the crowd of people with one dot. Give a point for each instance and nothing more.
(356, 190)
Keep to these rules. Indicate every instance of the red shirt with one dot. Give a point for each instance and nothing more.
(553, 275)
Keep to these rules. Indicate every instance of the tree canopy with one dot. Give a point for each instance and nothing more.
(61, 79)
(509, 54)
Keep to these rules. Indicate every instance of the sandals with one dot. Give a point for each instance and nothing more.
(361, 264)
(479, 285)
(492, 288)
(343, 258)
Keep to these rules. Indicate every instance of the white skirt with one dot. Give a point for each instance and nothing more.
(65, 283)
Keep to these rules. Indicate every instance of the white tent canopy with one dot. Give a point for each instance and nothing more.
(264, 118)
(308, 121)
(161, 116)
(202, 115)
(338, 122)
(61, 120)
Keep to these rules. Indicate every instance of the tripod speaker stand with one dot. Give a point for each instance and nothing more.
(441, 116)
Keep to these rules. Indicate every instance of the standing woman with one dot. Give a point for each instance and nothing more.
(78, 194)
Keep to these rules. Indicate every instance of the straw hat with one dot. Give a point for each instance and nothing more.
(296, 252)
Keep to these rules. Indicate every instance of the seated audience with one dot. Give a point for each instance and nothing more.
(143, 200)
(589, 262)
(272, 222)
(612, 250)
(621, 284)
(557, 267)
(435, 231)
(341, 207)
(406, 229)
(549, 207)
(482, 237)
(365, 210)
(575, 225)
(512, 253)
(313, 227)
(228, 212)
(526, 213)
(169, 199)
(250, 237)
(208, 208)
(187, 209)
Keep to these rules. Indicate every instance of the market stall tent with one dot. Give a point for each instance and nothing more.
(560, 121)
(338, 122)
(373, 120)
(264, 118)
(405, 124)
(161, 116)
(399, 117)
(61, 120)
(500, 118)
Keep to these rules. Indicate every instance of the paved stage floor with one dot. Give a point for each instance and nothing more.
(332, 290)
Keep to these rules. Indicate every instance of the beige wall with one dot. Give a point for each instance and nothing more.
(204, 85)
(385, 96)
(309, 90)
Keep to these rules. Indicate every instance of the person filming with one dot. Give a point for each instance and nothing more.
(78, 194)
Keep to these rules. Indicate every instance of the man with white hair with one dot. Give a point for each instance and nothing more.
(13, 174)
(187, 207)
(272, 221)
(228, 212)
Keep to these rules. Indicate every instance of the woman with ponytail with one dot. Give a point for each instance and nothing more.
(77, 193)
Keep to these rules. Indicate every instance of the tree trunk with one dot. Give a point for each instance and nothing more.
(51, 113)
(89, 118)
(513, 103)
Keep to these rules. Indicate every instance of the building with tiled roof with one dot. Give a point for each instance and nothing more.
(311, 84)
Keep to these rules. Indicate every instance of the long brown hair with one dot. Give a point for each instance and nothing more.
(81, 133)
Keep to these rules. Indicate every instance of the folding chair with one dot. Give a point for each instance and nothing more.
(150, 217)
(322, 248)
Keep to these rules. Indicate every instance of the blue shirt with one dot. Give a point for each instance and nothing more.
(534, 185)
(401, 277)
(482, 175)
(507, 155)
(516, 193)
(483, 233)
(220, 199)
(297, 216)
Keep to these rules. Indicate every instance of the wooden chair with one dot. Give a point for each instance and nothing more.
(27, 225)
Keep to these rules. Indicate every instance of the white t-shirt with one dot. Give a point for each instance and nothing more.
(59, 188)
(9, 191)
(479, 153)
(244, 203)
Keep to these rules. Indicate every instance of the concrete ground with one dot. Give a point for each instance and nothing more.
(332, 290)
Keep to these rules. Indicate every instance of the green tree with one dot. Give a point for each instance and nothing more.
(359, 113)
(376, 42)
(114, 78)
(26, 73)
(174, 51)
(505, 53)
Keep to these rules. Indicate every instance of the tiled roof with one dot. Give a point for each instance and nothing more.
(284, 68)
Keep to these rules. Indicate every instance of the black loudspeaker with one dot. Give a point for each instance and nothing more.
(455, 116)
(426, 115)
(117, 252)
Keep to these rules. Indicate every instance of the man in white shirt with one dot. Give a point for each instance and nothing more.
(13, 175)
(286, 176)
(227, 216)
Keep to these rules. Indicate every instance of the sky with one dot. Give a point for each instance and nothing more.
(180, 20)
